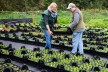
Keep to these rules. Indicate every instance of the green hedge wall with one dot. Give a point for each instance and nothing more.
(28, 5)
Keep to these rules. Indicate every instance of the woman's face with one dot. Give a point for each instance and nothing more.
(54, 8)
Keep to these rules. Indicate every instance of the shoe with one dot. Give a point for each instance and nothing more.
(72, 53)
(48, 48)
(81, 54)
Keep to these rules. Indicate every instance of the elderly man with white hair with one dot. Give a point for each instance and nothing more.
(49, 18)
(78, 27)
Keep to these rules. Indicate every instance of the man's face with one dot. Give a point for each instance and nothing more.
(72, 9)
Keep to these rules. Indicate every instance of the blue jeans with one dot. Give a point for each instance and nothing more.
(77, 42)
(48, 39)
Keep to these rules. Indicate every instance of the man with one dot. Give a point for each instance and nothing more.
(78, 27)
(49, 18)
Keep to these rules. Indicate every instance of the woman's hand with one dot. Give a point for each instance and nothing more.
(50, 32)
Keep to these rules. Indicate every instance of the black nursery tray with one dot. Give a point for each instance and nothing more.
(62, 47)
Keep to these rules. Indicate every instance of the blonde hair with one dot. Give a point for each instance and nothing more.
(52, 4)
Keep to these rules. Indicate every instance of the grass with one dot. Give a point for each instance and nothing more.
(93, 17)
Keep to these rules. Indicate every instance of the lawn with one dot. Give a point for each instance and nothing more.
(93, 17)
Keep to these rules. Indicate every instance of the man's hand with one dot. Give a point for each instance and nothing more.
(69, 30)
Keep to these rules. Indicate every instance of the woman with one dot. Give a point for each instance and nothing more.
(49, 18)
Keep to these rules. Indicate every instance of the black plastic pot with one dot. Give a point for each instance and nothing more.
(14, 34)
(24, 67)
(56, 41)
(1, 46)
(39, 35)
(106, 65)
(8, 60)
(6, 35)
(66, 56)
(25, 29)
(25, 57)
(61, 50)
(60, 68)
(8, 69)
(1, 51)
(16, 37)
(85, 45)
(24, 52)
(61, 44)
(54, 59)
(36, 49)
(102, 33)
(10, 46)
(85, 60)
(36, 40)
(69, 39)
(101, 47)
(23, 47)
(70, 42)
(11, 53)
(59, 38)
(74, 64)
(44, 71)
(1, 43)
(65, 36)
(96, 57)
(82, 71)
(50, 52)
(41, 64)
(39, 54)
(95, 69)
(93, 49)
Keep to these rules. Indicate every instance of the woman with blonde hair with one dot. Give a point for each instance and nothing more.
(49, 18)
